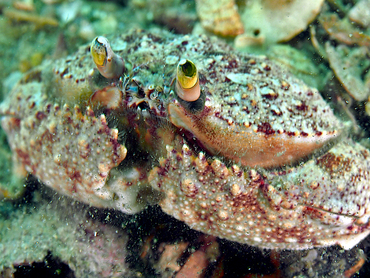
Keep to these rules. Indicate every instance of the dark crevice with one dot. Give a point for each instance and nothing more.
(50, 267)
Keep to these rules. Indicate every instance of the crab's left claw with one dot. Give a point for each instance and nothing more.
(109, 64)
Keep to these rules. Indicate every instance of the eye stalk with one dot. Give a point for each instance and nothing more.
(187, 81)
(109, 64)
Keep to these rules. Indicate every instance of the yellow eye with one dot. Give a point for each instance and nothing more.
(187, 74)
(187, 84)
(98, 52)
(109, 64)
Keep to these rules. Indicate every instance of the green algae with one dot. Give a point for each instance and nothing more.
(54, 224)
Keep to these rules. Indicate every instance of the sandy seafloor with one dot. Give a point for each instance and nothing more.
(44, 234)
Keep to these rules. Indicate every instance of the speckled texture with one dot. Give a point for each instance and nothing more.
(65, 149)
(248, 98)
(58, 225)
(320, 262)
(263, 156)
(298, 208)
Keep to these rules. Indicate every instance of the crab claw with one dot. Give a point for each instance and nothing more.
(109, 64)
(270, 209)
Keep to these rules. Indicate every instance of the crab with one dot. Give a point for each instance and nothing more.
(231, 144)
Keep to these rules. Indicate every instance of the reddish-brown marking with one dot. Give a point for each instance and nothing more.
(271, 96)
(76, 176)
(265, 128)
(40, 115)
(23, 156)
(334, 163)
(302, 107)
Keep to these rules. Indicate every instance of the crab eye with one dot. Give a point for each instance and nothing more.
(98, 52)
(187, 81)
(187, 74)
(109, 64)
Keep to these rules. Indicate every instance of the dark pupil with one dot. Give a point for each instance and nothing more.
(188, 69)
(102, 49)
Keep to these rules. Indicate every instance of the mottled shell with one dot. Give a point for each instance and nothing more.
(323, 202)
(290, 182)
(65, 149)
